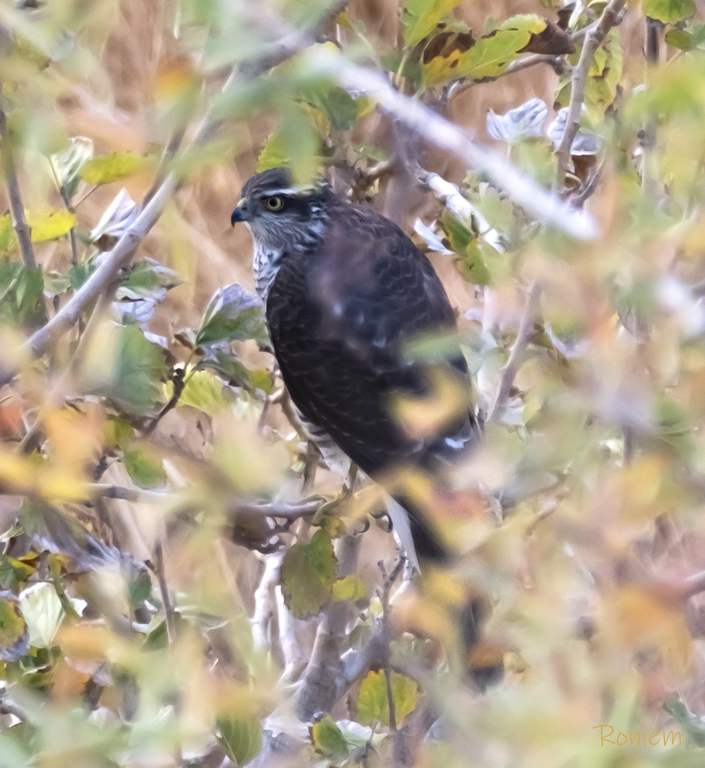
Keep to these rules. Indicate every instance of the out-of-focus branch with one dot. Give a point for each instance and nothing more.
(19, 221)
(137, 495)
(125, 248)
(387, 637)
(158, 569)
(593, 40)
(516, 356)
(324, 681)
(445, 135)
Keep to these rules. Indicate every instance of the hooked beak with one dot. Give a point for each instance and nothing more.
(241, 213)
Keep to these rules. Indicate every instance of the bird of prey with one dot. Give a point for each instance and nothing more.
(345, 290)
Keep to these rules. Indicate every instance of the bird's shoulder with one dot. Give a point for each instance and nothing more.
(367, 275)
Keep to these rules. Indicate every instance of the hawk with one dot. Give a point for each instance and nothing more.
(344, 291)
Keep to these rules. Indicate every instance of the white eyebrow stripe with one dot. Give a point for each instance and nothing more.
(288, 191)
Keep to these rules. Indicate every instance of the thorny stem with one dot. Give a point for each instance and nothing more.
(593, 40)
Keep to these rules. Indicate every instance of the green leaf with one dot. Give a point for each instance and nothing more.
(679, 38)
(21, 295)
(15, 572)
(120, 165)
(240, 738)
(373, 701)
(350, 588)
(138, 369)
(233, 314)
(327, 739)
(421, 17)
(79, 273)
(144, 465)
(7, 236)
(139, 588)
(691, 723)
(472, 265)
(263, 380)
(56, 283)
(490, 55)
(226, 365)
(669, 11)
(50, 225)
(471, 262)
(295, 145)
(14, 639)
(68, 164)
(204, 391)
(601, 90)
(307, 575)
(145, 278)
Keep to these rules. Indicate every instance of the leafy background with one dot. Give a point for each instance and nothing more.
(181, 581)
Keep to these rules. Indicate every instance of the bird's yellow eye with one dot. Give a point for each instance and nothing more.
(273, 203)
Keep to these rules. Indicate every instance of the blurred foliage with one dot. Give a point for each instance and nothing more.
(166, 597)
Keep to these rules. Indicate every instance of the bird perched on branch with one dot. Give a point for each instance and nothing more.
(345, 293)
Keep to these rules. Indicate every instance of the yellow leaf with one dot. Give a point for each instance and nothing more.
(349, 588)
(50, 225)
(373, 698)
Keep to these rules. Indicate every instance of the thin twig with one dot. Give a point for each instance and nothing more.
(158, 569)
(593, 40)
(557, 63)
(387, 635)
(137, 495)
(121, 255)
(282, 509)
(179, 384)
(516, 356)
(19, 221)
(647, 135)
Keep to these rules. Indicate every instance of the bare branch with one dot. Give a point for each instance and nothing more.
(19, 221)
(137, 495)
(593, 40)
(158, 569)
(387, 635)
(442, 133)
(282, 509)
(516, 356)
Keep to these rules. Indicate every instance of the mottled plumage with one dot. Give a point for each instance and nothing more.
(344, 288)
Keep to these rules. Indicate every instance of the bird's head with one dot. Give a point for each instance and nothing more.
(279, 213)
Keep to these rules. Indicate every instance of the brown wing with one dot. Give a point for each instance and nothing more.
(337, 318)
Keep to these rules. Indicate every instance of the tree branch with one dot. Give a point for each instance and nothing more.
(435, 129)
(557, 63)
(121, 255)
(593, 40)
(158, 569)
(516, 356)
(19, 221)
